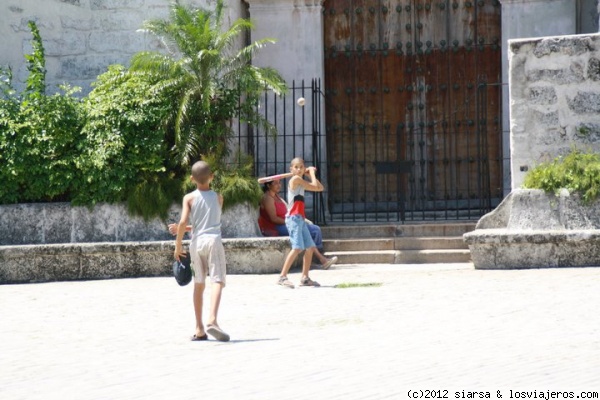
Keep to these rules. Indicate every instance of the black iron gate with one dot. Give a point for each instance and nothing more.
(413, 183)
(416, 171)
(299, 134)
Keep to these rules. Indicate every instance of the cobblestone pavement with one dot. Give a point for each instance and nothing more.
(437, 326)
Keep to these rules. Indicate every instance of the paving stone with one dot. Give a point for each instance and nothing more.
(433, 326)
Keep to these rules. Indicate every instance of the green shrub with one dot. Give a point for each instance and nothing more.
(38, 135)
(235, 180)
(123, 142)
(577, 171)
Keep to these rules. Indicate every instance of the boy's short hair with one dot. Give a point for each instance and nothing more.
(201, 172)
(296, 160)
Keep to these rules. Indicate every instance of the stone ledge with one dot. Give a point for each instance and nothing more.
(535, 229)
(88, 261)
(521, 249)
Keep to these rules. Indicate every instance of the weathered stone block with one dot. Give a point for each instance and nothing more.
(57, 222)
(110, 21)
(593, 71)
(543, 95)
(67, 45)
(77, 261)
(45, 223)
(20, 224)
(585, 103)
(560, 76)
(587, 133)
(88, 67)
(546, 119)
(115, 42)
(571, 46)
(535, 229)
(72, 2)
(115, 4)
(76, 24)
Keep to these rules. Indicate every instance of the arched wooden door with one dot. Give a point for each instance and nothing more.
(413, 108)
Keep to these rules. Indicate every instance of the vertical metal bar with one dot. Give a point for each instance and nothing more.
(316, 149)
(399, 186)
(363, 166)
(318, 125)
(303, 130)
(274, 141)
(478, 133)
(353, 168)
(293, 121)
(469, 165)
(340, 166)
(446, 164)
(258, 130)
(411, 189)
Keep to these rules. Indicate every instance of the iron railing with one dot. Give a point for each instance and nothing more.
(404, 181)
(417, 170)
(299, 134)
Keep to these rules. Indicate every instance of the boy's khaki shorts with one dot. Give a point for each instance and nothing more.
(208, 258)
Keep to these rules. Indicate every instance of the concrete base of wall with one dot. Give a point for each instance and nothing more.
(87, 261)
(534, 229)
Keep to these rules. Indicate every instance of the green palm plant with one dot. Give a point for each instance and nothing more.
(209, 80)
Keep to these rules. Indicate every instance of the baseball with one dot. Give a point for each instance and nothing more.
(301, 101)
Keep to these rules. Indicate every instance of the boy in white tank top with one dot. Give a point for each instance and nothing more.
(295, 221)
(202, 210)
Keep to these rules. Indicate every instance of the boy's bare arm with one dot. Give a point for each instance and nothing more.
(314, 185)
(185, 213)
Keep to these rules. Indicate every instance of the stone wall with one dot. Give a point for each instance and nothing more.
(554, 99)
(83, 261)
(50, 223)
(535, 229)
(83, 37)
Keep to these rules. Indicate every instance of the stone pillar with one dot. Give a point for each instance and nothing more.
(297, 25)
(599, 16)
(587, 16)
(526, 19)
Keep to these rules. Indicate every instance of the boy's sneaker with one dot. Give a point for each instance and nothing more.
(306, 281)
(285, 282)
(330, 262)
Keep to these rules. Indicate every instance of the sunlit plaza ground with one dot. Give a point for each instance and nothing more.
(443, 327)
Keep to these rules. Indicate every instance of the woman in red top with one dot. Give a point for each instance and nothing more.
(271, 220)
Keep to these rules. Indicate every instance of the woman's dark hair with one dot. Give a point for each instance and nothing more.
(266, 186)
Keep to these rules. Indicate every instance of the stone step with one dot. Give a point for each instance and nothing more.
(399, 243)
(402, 256)
(355, 231)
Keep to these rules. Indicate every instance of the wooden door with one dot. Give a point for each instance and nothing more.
(413, 106)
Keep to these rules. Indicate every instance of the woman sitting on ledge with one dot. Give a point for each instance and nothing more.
(271, 220)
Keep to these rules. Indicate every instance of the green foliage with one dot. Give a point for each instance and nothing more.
(234, 181)
(577, 171)
(36, 65)
(38, 135)
(210, 82)
(123, 144)
(133, 138)
(153, 196)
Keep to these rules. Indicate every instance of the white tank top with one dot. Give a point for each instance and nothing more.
(205, 216)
